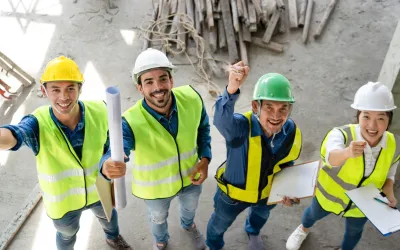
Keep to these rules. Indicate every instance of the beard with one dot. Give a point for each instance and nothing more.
(159, 98)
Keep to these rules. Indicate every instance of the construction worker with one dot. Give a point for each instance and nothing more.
(259, 144)
(354, 155)
(169, 131)
(68, 139)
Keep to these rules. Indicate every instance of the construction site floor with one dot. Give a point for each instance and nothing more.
(325, 75)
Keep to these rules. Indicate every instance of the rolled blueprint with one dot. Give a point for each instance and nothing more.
(116, 141)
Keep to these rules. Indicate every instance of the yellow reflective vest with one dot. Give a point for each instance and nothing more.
(162, 163)
(333, 182)
(67, 182)
(252, 192)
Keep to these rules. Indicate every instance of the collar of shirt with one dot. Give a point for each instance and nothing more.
(382, 142)
(256, 129)
(157, 115)
(81, 123)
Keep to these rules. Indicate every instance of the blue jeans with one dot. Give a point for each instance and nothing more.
(68, 226)
(158, 211)
(354, 226)
(225, 212)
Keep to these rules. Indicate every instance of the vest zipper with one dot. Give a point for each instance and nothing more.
(177, 149)
(179, 162)
(79, 162)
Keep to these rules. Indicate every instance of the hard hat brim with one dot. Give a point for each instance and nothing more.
(372, 109)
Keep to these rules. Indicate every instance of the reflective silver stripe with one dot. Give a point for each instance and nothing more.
(331, 197)
(67, 173)
(73, 191)
(333, 173)
(397, 152)
(347, 130)
(170, 179)
(167, 162)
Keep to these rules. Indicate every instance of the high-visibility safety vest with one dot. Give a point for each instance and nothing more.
(252, 192)
(67, 182)
(162, 163)
(333, 182)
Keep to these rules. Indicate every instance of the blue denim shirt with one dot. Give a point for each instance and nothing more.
(234, 128)
(171, 124)
(27, 132)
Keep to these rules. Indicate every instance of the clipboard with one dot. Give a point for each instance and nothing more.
(105, 190)
(298, 181)
(384, 218)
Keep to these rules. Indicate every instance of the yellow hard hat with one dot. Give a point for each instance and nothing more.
(61, 69)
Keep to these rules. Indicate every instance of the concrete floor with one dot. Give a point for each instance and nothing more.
(325, 75)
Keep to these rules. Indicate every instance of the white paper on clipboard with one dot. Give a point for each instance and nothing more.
(296, 181)
(383, 217)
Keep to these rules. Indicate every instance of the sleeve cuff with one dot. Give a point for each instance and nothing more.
(103, 159)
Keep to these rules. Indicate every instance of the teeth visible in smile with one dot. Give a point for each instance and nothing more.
(274, 123)
(159, 94)
(64, 105)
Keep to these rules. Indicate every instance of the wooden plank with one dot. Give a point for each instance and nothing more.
(173, 5)
(197, 21)
(213, 42)
(303, 8)
(221, 34)
(253, 27)
(18, 220)
(239, 8)
(257, 6)
(164, 13)
(293, 13)
(203, 6)
(245, 13)
(310, 5)
(235, 17)
(190, 10)
(246, 33)
(226, 16)
(210, 17)
(277, 47)
(181, 29)
(325, 18)
(280, 4)
(271, 26)
(243, 49)
(264, 8)
(212, 65)
(282, 21)
(174, 27)
(252, 14)
(147, 35)
(197, 8)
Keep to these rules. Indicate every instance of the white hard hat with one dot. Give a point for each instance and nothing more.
(373, 96)
(150, 59)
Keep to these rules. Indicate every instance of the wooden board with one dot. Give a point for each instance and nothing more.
(293, 13)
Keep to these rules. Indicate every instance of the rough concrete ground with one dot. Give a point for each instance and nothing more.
(325, 75)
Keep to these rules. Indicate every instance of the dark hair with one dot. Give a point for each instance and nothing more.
(388, 113)
(166, 69)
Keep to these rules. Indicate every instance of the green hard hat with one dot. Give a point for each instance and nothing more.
(273, 87)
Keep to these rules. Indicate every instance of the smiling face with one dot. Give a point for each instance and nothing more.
(273, 115)
(63, 96)
(156, 87)
(372, 125)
